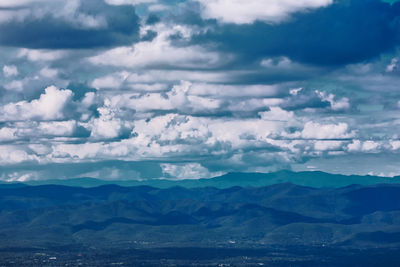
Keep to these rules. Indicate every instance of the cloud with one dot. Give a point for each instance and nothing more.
(129, 2)
(71, 24)
(182, 91)
(18, 3)
(41, 54)
(10, 71)
(277, 114)
(394, 65)
(366, 146)
(7, 134)
(395, 144)
(187, 171)
(113, 81)
(48, 73)
(160, 53)
(232, 91)
(192, 98)
(341, 104)
(41, 131)
(49, 106)
(314, 130)
(154, 79)
(14, 86)
(107, 126)
(168, 137)
(13, 155)
(57, 128)
(328, 145)
(248, 11)
(323, 37)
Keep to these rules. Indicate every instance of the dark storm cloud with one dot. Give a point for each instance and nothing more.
(346, 32)
(53, 32)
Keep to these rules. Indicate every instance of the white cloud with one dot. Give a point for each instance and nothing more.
(149, 87)
(103, 128)
(14, 86)
(158, 8)
(67, 10)
(49, 106)
(229, 91)
(114, 80)
(314, 130)
(66, 152)
(395, 144)
(327, 145)
(58, 128)
(281, 63)
(34, 130)
(248, 11)
(277, 114)
(70, 12)
(7, 15)
(366, 146)
(48, 73)
(394, 65)
(187, 171)
(14, 155)
(19, 176)
(134, 80)
(295, 91)
(129, 2)
(7, 134)
(177, 98)
(370, 146)
(173, 135)
(160, 53)
(341, 104)
(9, 71)
(354, 146)
(41, 54)
(17, 3)
(108, 125)
(40, 149)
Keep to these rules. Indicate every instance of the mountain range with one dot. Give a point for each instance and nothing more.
(313, 179)
(282, 214)
(230, 217)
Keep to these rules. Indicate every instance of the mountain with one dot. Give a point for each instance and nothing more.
(282, 214)
(312, 179)
(278, 225)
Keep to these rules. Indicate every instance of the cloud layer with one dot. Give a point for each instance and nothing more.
(245, 12)
(137, 89)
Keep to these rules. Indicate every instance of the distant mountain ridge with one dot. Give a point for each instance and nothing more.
(112, 216)
(312, 179)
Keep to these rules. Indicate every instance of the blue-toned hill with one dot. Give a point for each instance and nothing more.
(311, 179)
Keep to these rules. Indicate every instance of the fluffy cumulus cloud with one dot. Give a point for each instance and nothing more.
(137, 89)
(248, 11)
(314, 130)
(50, 106)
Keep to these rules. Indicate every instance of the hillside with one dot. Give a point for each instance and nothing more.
(312, 179)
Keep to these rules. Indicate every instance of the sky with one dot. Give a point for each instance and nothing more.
(187, 89)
